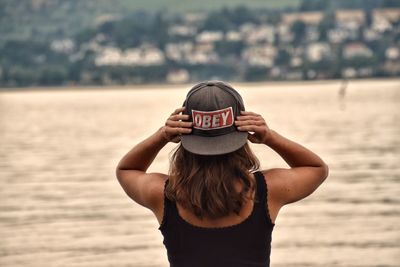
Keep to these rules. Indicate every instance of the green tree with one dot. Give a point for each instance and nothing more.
(313, 5)
(53, 75)
(229, 18)
(241, 15)
(216, 22)
(283, 57)
(327, 23)
(256, 74)
(391, 3)
(298, 29)
(225, 48)
(21, 76)
(360, 62)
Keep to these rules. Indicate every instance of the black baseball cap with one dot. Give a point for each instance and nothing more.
(213, 106)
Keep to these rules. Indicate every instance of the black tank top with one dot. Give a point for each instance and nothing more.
(247, 244)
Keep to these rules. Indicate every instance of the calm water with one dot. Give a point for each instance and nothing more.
(61, 205)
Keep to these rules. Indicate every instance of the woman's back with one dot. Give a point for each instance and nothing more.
(231, 243)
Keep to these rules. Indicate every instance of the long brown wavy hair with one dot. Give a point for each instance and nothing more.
(206, 184)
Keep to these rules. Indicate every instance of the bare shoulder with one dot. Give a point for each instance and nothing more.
(275, 180)
(293, 184)
(274, 187)
(155, 185)
(147, 189)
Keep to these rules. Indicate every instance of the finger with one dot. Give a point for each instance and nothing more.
(179, 117)
(180, 124)
(178, 110)
(177, 130)
(185, 130)
(249, 113)
(249, 128)
(176, 139)
(249, 117)
(252, 138)
(250, 122)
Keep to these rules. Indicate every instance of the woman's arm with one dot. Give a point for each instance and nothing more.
(306, 174)
(131, 171)
(307, 170)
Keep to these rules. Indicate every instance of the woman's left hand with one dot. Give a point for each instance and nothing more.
(259, 132)
(176, 125)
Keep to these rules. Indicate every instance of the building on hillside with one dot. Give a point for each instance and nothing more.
(173, 52)
(382, 19)
(338, 35)
(371, 34)
(207, 47)
(296, 61)
(349, 73)
(381, 25)
(392, 67)
(354, 73)
(104, 18)
(194, 18)
(178, 76)
(390, 14)
(177, 51)
(210, 36)
(200, 58)
(63, 46)
(260, 55)
(202, 54)
(294, 75)
(317, 51)
(181, 30)
(349, 22)
(354, 18)
(312, 33)
(365, 72)
(313, 18)
(233, 36)
(146, 55)
(264, 33)
(285, 34)
(246, 28)
(356, 49)
(393, 53)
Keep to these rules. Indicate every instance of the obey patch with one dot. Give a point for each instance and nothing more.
(210, 120)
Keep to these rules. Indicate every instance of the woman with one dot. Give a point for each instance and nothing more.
(215, 208)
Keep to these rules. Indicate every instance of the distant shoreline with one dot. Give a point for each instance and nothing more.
(184, 85)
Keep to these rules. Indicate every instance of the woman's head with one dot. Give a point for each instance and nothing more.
(213, 107)
(210, 172)
(207, 185)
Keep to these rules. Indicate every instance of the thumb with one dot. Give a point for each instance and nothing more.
(253, 138)
(176, 139)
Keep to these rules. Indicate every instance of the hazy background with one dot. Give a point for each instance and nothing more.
(97, 42)
(81, 82)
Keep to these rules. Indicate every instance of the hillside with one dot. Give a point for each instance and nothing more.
(24, 19)
(58, 42)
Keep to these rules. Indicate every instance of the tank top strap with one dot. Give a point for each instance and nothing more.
(261, 187)
(170, 211)
(262, 195)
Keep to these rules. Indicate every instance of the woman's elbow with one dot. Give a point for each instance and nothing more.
(324, 171)
(119, 171)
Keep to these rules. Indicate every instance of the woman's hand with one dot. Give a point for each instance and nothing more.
(255, 124)
(176, 125)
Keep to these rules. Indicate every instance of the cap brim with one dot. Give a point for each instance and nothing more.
(215, 145)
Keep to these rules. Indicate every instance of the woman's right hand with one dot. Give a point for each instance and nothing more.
(176, 125)
(259, 132)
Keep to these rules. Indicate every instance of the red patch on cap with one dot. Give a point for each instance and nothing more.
(210, 120)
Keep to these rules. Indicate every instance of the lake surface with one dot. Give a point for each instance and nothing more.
(61, 205)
